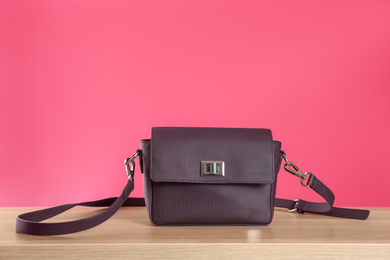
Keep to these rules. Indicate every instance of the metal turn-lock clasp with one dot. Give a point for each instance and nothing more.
(212, 168)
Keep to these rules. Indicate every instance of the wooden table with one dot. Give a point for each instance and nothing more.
(129, 235)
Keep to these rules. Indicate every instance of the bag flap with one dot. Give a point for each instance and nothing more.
(177, 154)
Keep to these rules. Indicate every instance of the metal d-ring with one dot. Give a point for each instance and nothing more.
(303, 179)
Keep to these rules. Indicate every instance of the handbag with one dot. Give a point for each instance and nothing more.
(201, 176)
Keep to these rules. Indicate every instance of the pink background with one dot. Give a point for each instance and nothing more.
(81, 82)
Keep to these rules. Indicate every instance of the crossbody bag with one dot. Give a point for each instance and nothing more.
(201, 176)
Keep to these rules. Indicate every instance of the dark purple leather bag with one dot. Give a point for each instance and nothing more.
(201, 176)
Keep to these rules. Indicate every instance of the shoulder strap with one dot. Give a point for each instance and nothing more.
(323, 208)
(30, 223)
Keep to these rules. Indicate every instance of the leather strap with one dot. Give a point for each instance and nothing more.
(30, 223)
(323, 208)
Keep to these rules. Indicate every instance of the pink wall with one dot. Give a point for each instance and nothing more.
(81, 82)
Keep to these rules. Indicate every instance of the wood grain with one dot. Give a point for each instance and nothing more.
(130, 234)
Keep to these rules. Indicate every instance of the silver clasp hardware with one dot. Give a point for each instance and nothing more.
(295, 207)
(293, 169)
(130, 165)
(212, 168)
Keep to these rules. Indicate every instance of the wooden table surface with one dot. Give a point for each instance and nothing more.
(130, 235)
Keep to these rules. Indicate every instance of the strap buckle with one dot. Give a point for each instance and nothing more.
(130, 165)
(294, 170)
(295, 208)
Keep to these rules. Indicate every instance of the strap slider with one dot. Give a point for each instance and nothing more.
(295, 208)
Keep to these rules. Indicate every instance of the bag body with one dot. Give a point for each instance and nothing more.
(182, 188)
